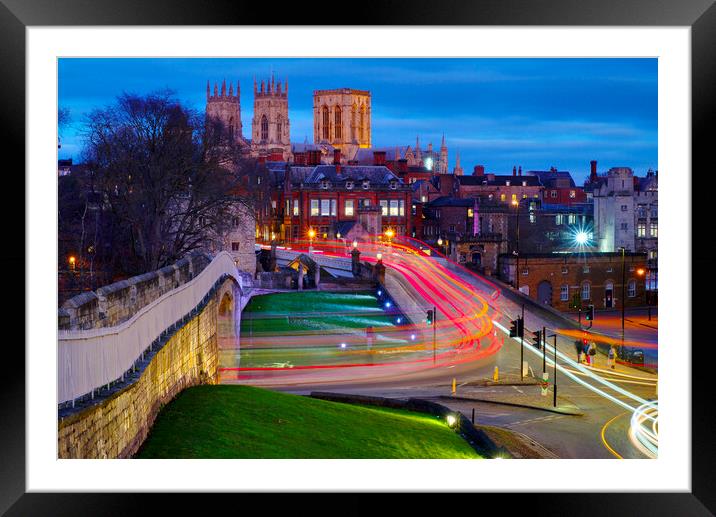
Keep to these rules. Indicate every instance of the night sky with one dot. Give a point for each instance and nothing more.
(536, 113)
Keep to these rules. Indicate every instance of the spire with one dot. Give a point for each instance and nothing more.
(238, 89)
(286, 83)
(417, 143)
(223, 88)
(208, 90)
(231, 89)
(254, 85)
(397, 153)
(442, 145)
(262, 86)
(216, 90)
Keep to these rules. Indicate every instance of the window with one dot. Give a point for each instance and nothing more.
(641, 211)
(572, 194)
(653, 230)
(264, 128)
(610, 269)
(507, 183)
(585, 269)
(525, 272)
(624, 208)
(325, 184)
(401, 210)
(654, 213)
(273, 204)
(365, 202)
(524, 184)
(295, 207)
(502, 197)
(366, 185)
(641, 230)
(295, 232)
(565, 270)
(235, 222)
(349, 207)
(452, 227)
(624, 226)
(514, 197)
(393, 184)
(314, 207)
(349, 185)
(559, 219)
(394, 207)
(328, 207)
(437, 214)
(554, 193)
(234, 246)
(533, 217)
(423, 199)
(279, 127)
(564, 293)
(631, 288)
(383, 206)
(586, 294)
(337, 119)
(362, 122)
(571, 219)
(326, 123)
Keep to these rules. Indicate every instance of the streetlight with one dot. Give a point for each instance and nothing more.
(440, 243)
(389, 233)
(623, 250)
(72, 261)
(311, 235)
(355, 244)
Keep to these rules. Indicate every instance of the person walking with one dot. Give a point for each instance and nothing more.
(610, 357)
(578, 348)
(591, 352)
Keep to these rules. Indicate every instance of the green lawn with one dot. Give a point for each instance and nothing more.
(247, 422)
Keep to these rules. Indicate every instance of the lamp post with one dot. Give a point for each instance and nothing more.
(389, 233)
(311, 235)
(516, 204)
(623, 250)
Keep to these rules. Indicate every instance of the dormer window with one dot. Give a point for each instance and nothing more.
(349, 185)
(524, 183)
(393, 184)
(507, 183)
(325, 184)
(366, 184)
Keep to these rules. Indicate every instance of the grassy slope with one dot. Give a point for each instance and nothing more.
(246, 422)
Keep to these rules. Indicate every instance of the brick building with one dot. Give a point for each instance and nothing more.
(559, 187)
(568, 279)
(502, 188)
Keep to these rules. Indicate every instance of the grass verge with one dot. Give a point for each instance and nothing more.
(246, 422)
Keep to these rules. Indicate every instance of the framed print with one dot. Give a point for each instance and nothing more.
(309, 258)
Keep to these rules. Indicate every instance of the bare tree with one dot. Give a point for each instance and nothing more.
(165, 175)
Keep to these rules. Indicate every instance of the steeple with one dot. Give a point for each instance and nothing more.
(231, 89)
(223, 88)
(208, 90)
(216, 90)
(442, 144)
(457, 171)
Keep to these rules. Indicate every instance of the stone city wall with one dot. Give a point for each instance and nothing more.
(117, 426)
(115, 303)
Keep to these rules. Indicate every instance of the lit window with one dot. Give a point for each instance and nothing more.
(559, 219)
(564, 293)
(524, 183)
(326, 207)
(572, 194)
(349, 207)
(394, 207)
(585, 269)
(314, 207)
(631, 289)
(423, 199)
(525, 272)
(470, 213)
(502, 197)
(571, 219)
(401, 211)
(384, 206)
(641, 230)
(507, 183)
(514, 197)
(653, 229)
(295, 207)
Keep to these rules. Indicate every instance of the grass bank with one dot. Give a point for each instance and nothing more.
(246, 422)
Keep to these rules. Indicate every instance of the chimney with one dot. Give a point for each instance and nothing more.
(479, 170)
(378, 157)
(519, 172)
(403, 165)
(593, 171)
(514, 170)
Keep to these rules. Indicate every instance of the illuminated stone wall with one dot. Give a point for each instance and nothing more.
(116, 427)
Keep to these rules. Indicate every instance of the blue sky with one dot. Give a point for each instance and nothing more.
(535, 113)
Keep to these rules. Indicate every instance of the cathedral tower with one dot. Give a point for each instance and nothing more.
(270, 131)
(341, 118)
(225, 107)
(442, 167)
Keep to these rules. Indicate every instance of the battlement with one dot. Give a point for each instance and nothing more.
(271, 88)
(223, 95)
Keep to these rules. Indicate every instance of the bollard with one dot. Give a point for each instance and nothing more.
(454, 388)
(496, 374)
(473, 416)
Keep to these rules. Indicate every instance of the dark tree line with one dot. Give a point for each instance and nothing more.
(156, 182)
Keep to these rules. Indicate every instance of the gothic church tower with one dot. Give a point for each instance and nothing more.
(270, 126)
(442, 167)
(225, 108)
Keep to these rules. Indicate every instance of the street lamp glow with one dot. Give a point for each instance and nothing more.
(429, 163)
(581, 238)
(355, 244)
(440, 242)
(640, 271)
(379, 256)
(338, 235)
(311, 233)
(451, 420)
(389, 233)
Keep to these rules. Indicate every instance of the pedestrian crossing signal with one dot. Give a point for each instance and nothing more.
(429, 319)
(590, 313)
(516, 327)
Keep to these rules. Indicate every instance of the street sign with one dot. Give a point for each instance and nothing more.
(544, 384)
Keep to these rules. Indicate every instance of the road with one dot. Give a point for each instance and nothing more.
(471, 331)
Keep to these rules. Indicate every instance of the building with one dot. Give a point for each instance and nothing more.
(570, 280)
(548, 228)
(325, 197)
(224, 109)
(270, 126)
(559, 187)
(501, 188)
(342, 118)
(614, 210)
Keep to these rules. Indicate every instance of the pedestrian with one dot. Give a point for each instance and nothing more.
(578, 348)
(591, 352)
(585, 352)
(610, 357)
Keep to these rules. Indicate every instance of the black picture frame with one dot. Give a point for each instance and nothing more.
(16, 15)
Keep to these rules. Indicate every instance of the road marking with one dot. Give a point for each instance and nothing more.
(604, 440)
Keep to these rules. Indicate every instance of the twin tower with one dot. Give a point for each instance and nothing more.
(270, 133)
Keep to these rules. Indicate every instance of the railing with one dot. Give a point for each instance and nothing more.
(90, 359)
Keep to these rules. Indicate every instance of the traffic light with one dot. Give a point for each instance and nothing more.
(589, 316)
(516, 327)
(429, 319)
(537, 339)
